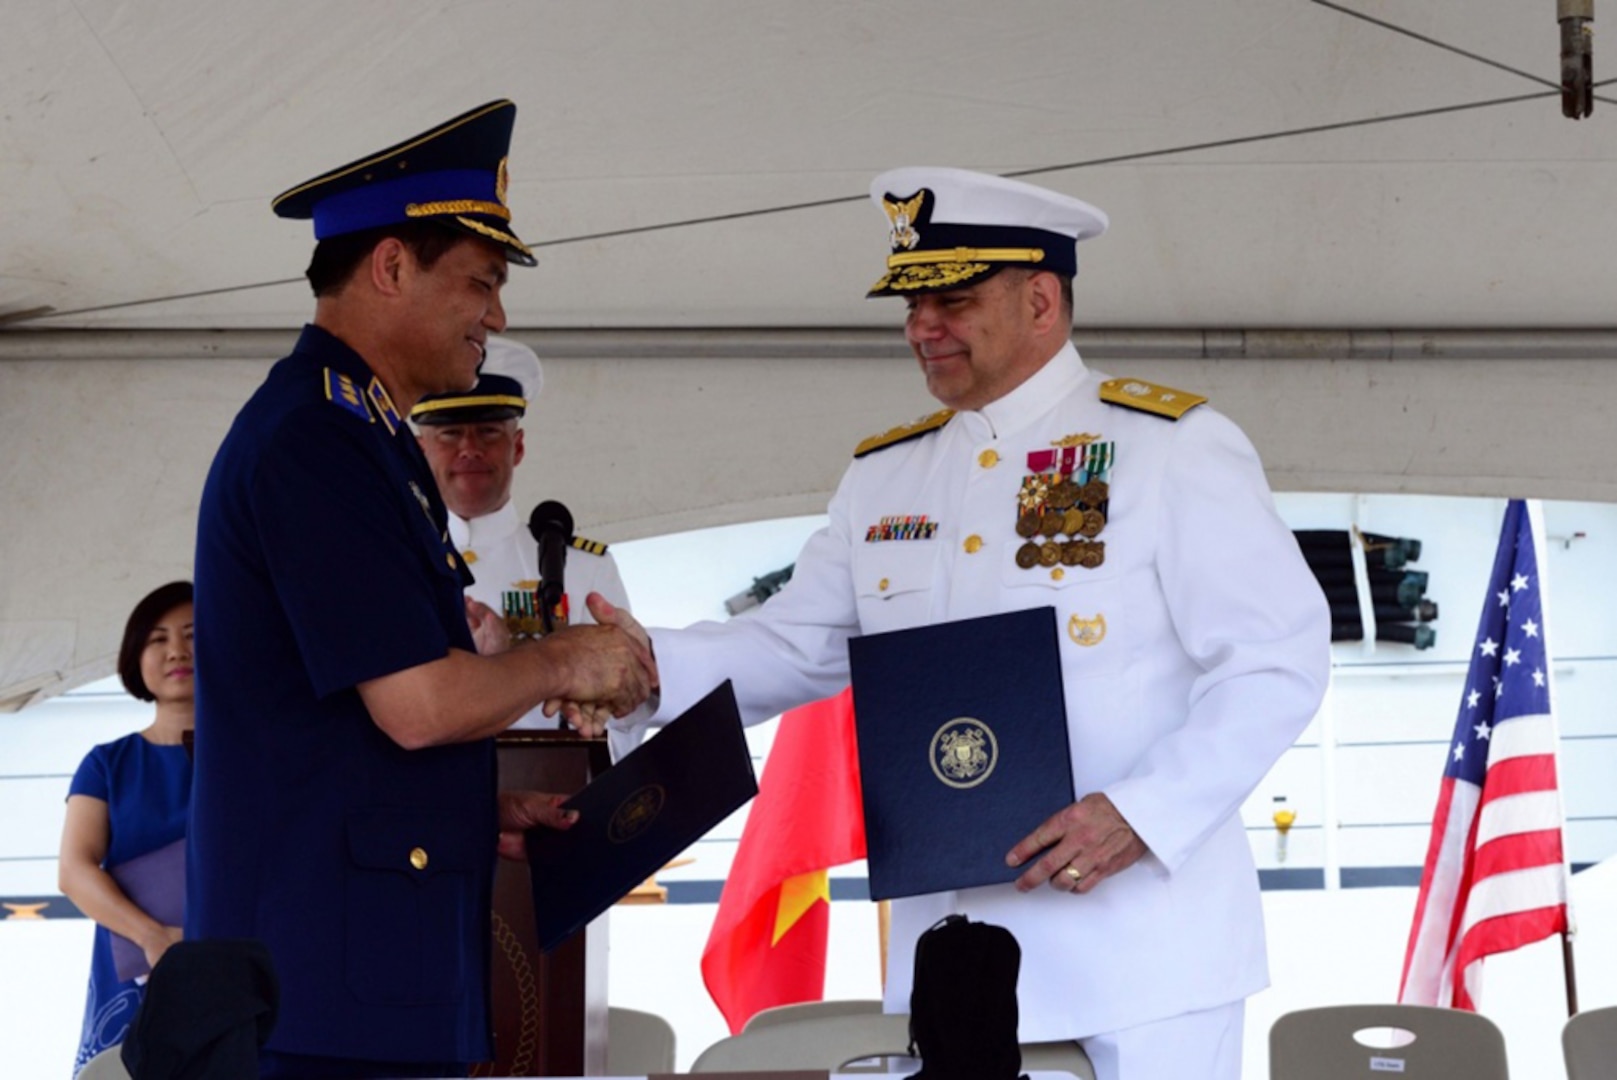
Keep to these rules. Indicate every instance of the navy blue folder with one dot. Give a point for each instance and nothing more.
(636, 816)
(962, 732)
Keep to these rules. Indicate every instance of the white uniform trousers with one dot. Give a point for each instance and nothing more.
(1202, 1045)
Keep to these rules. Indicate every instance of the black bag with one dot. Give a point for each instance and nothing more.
(963, 1002)
(209, 1006)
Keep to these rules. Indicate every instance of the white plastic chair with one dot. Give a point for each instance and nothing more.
(833, 1039)
(1347, 1042)
(1589, 1041)
(819, 1043)
(835, 1007)
(107, 1065)
(638, 1043)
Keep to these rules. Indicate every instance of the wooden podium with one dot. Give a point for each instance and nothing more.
(549, 1010)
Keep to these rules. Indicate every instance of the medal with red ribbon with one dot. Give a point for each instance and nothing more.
(1063, 503)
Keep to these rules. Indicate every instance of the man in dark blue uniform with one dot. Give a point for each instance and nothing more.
(345, 810)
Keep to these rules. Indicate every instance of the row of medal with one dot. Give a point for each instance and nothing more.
(1062, 506)
(524, 618)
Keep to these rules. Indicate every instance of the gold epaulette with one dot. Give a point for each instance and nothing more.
(1149, 397)
(903, 433)
(594, 547)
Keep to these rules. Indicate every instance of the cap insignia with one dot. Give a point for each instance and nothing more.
(502, 183)
(905, 214)
(340, 389)
(1149, 397)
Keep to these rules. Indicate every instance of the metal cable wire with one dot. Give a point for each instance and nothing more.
(1116, 159)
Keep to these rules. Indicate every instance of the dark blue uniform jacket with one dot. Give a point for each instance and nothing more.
(323, 561)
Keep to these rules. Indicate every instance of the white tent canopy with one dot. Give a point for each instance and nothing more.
(1388, 260)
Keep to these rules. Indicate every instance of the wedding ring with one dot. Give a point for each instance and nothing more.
(1076, 874)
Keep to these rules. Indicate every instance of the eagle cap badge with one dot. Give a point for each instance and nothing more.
(905, 215)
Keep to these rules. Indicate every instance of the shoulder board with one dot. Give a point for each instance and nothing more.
(340, 390)
(594, 547)
(1149, 397)
(903, 433)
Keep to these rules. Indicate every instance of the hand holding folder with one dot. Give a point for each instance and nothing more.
(962, 747)
(155, 883)
(639, 814)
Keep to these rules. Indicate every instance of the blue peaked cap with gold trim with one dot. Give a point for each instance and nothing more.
(453, 175)
(949, 228)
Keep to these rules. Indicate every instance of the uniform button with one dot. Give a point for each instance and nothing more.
(974, 544)
(988, 459)
(450, 559)
(418, 858)
(1057, 574)
(469, 555)
(881, 586)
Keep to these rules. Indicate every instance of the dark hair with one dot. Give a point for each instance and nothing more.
(159, 602)
(337, 257)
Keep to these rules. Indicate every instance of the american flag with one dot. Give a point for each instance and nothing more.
(1495, 877)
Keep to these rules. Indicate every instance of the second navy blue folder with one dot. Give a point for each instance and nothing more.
(962, 732)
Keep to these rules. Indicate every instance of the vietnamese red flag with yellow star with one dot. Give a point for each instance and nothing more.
(767, 945)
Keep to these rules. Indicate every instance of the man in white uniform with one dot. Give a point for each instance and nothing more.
(473, 441)
(1194, 639)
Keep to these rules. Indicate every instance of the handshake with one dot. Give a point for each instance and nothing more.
(594, 673)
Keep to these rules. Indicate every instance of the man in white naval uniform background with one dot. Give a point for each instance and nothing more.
(1194, 639)
(473, 441)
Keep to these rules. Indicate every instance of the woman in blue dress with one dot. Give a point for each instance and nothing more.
(130, 797)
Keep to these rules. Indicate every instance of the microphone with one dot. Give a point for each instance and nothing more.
(551, 525)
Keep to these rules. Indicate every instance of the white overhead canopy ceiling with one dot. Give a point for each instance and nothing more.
(1286, 181)
(140, 144)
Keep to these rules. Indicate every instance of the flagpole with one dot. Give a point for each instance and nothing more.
(884, 927)
(1535, 518)
(1571, 974)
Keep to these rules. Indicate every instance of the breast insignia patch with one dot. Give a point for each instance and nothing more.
(903, 433)
(340, 389)
(594, 547)
(1149, 397)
